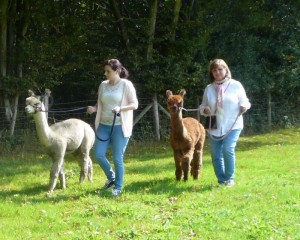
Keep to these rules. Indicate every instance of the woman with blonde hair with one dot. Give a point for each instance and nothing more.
(226, 99)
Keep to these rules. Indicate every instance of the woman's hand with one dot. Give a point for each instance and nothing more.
(91, 109)
(207, 110)
(242, 109)
(116, 109)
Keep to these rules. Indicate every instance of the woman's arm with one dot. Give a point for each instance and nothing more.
(204, 107)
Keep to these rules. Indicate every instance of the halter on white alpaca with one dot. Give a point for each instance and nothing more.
(59, 138)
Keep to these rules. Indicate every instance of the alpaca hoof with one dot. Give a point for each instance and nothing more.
(90, 178)
(49, 193)
(81, 180)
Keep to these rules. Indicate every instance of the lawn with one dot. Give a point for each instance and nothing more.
(264, 203)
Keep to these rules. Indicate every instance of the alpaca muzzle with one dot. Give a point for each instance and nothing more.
(175, 108)
(33, 108)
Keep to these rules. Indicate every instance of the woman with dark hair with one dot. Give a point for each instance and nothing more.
(224, 98)
(116, 95)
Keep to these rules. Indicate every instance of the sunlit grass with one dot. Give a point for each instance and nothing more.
(264, 203)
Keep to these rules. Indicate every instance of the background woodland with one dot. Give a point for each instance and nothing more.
(165, 44)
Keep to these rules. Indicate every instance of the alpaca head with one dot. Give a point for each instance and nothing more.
(33, 105)
(175, 102)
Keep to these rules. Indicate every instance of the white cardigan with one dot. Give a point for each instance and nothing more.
(129, 97)
(234, 97)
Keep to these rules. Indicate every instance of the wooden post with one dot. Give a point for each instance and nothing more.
(269, 110)
(146, 109)
(156, 117)
(198, 112)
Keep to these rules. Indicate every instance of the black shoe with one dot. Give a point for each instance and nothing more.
(108, 184)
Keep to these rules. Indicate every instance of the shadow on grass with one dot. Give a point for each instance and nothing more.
(38, 194)
(167, 186)
(27, 191)
(251, 145)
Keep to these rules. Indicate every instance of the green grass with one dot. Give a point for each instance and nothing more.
(264, 203)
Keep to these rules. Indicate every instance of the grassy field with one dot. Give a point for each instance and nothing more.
(264, 203)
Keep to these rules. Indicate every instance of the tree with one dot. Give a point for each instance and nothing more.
(14, 24)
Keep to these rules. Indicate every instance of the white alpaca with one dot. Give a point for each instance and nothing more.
(62, 137)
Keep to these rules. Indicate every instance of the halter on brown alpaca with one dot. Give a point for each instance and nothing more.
(187, 138)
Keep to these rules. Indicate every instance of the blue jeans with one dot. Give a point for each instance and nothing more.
(223, 155)
(118, 143)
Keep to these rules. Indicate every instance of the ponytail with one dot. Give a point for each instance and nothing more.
(124, 73)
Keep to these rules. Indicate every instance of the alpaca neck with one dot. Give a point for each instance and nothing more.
(177, 124)
(42, 127)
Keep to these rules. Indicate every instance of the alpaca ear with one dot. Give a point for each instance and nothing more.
(169, 93)
(182, 92)
(31, 93)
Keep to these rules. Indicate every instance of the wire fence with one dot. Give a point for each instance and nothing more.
(25, 140)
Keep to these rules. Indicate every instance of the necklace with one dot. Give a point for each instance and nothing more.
(111, 88)
(115, 82)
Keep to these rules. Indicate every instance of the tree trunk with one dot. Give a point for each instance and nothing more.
(149, 51)
(151, 30)
(13, 30)
(269, 110)
(177, 7)
(14, 115)
(3, 51)
(191, 9)
(3, 36)
(119, 18)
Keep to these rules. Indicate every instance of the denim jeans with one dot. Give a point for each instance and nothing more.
(223, 155)
(118, 143)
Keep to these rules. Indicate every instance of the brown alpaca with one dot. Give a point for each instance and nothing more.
(187, 138)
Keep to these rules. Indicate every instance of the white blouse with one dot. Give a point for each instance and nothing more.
(111, 97)
(128, 97)
(234, 96)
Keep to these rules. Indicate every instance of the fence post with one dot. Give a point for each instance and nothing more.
(198, 112)
(269, 110)
(156, 117)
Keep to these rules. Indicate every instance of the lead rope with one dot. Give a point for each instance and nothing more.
(111, 130)
(58, 111)
(211, 136)
(224, 136)
(76, 109)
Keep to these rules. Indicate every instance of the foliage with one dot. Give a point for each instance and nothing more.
(67, 41)
(264, 203)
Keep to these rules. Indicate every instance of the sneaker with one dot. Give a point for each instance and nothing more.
(229, 183)
(116, 192)
(221, 184)
(108, 184)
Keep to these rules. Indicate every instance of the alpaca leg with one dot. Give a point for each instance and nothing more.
(192, 166)
(62, 177)
(197, 161)
(90, 170)
(55, 170)
(186, 167)
(187, 158)
(197, 164)
(84, 167)
(178, 171)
